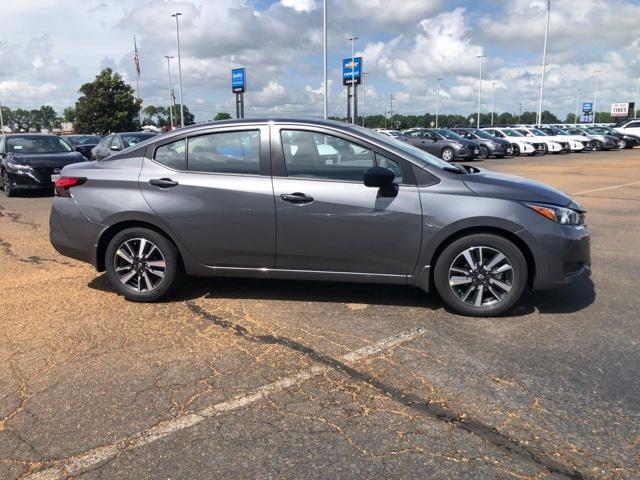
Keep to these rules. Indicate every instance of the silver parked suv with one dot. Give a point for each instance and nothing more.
(314, 200)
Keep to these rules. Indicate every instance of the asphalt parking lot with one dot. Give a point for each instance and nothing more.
(273, 379)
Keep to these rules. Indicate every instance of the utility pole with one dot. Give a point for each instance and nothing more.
(437, 99)
(364, 97)
(1, 118)
(354, 110)
(635, 110)
(519, 112)
(480, 57)
(391, 110)
(595, 97)
(493, 100)
(544, 62)
(575, 118)
(176, 15)
(325, 103)
(170, 90)
(385, 117)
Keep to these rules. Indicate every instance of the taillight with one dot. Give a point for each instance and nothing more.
(62, 185)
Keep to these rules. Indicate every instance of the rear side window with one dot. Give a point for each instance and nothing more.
(316, 155)
(173, 155)
(225, 152)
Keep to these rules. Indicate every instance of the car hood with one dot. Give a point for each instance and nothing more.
(47, 160)
(511, 187)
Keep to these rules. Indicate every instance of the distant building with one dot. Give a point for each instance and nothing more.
(67, 128)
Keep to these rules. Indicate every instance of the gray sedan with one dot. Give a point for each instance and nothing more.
(314, 200)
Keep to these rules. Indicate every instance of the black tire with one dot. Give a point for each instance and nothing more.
(598, 146)
(623, 144)
(173, 270)
(8, 190)
(484, 152)
(516, 150)
(482, 280)
(546, 148)
(447, 154)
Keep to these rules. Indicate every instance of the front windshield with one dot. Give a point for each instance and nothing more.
(83, 139)
(511, 133)
(538, 133)
(37, 144)
(131, 139)
(449, 134)
(482, 134)
(414, 152)
(556, 131)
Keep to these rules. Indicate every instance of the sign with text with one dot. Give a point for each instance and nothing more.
(587, 107)
(585, 119)
(351, 71)
(238, 80)
(621, 109)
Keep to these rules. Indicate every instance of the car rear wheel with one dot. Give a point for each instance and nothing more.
(481, 275)
(516, 150)
(598, 146)
(7, 188)
(447, 154)
(484, 152)
(622, 144)
(142, 264)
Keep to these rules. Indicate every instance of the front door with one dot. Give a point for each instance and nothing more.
(213, 190)
(328, 220)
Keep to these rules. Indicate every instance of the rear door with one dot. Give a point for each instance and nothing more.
(213, 189)
(327, 219)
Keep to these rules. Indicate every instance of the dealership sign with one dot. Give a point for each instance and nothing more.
(585, 119)
(351, 70)
(587, 107)
(621, 109)
(238, 80)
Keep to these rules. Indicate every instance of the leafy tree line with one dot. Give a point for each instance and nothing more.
(37, 119)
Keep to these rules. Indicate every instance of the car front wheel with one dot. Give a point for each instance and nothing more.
(447, 154)
(484, 152)
(9, 191)
(142, 264)
(481, 275)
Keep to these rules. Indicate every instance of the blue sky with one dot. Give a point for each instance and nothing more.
(50, 47)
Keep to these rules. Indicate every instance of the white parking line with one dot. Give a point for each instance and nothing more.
(79, 464)
(607, 188)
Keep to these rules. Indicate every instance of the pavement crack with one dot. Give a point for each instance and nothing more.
(412, 401)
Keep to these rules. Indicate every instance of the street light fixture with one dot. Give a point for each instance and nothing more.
(171, 96)
(595, 96)
(481, 58)
(575, 118)
(176, 15)
(544, 62)
(437, 99)
(353, 78)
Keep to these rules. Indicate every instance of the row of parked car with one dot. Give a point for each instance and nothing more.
(470, 143)
(31, 161)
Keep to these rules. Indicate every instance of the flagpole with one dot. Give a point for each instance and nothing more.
(137, 64)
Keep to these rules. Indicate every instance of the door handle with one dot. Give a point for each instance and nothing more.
(296, 197)
(163, 182)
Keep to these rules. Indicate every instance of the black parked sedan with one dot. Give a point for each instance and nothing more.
(489, 145)
(118, 141)
(83, 143)
(443, 143)
(626, 139)
(28, 161)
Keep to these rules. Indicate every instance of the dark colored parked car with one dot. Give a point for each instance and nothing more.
(598, 140)
(28, 161)
(314, 200)
(626, 140)
(83, 143)
(118, 141)
(490, 146)
(443, 143)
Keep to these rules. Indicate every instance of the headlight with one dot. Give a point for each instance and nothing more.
(562, 215)
(17, 167)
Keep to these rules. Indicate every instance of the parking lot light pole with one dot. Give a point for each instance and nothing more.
(353, 78)
(595, 97)
(325, 100)
(176, 15)
(635, 109)
(170, 90)
(481, 58)
(1, 118)
(544, 62)
(437, 99)
(575, 118)
(493, 100)
(364, 96)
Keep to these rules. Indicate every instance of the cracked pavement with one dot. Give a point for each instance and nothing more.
(239, 378)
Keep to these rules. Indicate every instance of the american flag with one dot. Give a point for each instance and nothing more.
(136, 57)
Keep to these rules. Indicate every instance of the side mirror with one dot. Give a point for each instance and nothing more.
(381, 178)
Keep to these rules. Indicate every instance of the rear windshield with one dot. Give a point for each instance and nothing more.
(37, 144)
(83, 140)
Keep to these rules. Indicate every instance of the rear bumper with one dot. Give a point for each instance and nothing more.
(71, 233)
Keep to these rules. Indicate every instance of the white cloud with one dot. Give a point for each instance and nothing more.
(300, 5)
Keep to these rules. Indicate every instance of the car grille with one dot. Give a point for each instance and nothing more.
(43, 175)
(564, 145)
(539, 146)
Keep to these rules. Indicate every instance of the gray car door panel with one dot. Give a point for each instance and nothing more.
(222, 219)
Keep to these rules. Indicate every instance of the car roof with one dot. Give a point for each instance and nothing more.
(14, 135)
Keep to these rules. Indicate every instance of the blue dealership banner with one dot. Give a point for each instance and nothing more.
(238, 80)
(587, 107)
(351, 70)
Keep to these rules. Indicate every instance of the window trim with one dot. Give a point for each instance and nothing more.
(278, 162)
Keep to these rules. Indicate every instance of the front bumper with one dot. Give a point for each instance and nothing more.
(467, 152)
(37, 178)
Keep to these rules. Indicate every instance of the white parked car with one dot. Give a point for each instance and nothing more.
(575, 140)
(521, 145)
(391, 133)
(554, 144)
(632, 127)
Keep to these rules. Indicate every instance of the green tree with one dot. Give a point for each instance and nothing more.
(158, 116)
(222, 116)
(69, 114)
(189, 118)
(106, 105)
(47, 117)
(21, 120)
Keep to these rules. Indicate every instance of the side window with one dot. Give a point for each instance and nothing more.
(225, 152)
(315, 155)
(106, 143)
(117, 142)
(633, 125)
(415, 134)
(173, 155)
(392, 165)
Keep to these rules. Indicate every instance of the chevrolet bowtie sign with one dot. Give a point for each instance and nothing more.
(351, 71)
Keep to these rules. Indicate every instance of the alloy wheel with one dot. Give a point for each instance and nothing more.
(139, 265)
(447, 154)
(481, 276)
